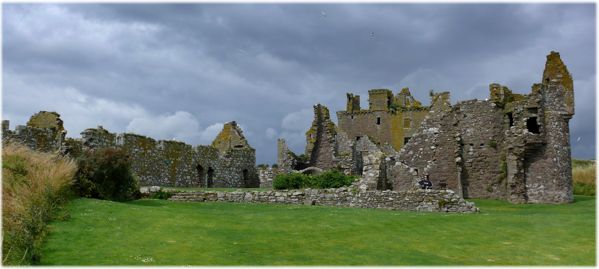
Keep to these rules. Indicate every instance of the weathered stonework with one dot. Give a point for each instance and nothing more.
(511, 146)
(43, 132)
(416, 200)
(267, 175)
(230, 163)
(320, 146)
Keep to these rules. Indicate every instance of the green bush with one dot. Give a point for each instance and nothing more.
(106, 174)
(290, 181)
(333, 179)
(329, 179)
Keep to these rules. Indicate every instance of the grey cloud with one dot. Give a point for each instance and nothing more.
(259, 63)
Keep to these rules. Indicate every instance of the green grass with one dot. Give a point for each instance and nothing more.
(191, 189)
(584, 177)
(158, 232)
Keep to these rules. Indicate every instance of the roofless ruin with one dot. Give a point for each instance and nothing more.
(511, 146)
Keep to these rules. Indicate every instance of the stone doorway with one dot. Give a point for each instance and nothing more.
(245, 177)
(210, 178)
(201, 175)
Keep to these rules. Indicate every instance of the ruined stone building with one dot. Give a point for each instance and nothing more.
(511, 146)
(229, 162)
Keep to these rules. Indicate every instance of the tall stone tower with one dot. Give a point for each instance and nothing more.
(557, 92)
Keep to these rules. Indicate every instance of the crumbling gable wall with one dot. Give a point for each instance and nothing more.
(286, 159)
(44, 132)
(231, 137)
(320, 146)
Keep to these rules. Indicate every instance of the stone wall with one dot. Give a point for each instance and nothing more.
(417, 200)
(173, 163)
(320, 138)
(161, 163)
(391, 120)
(511, 146)
(43, 132)
(267, 175)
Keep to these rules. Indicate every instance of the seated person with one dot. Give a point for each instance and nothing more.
(425, 184)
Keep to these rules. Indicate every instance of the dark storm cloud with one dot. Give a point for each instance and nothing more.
(181, 70)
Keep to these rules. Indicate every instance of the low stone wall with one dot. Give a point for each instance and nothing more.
(416, 200)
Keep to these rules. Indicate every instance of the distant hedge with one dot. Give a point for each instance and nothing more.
(329, 179)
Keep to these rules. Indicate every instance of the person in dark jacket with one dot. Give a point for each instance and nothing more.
(425, 184)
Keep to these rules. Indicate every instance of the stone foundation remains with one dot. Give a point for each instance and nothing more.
(415, 200)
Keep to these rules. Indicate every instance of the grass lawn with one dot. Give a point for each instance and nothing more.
(158, 232)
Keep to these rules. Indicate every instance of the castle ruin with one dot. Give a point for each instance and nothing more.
(511, 146)
(229, 162)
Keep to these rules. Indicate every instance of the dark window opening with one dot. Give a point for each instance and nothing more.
(482, 145)
(378, 120)
(532, 125)
(406, 140)
(510, 118)
(358, 138)
(351, 117)
(238, 146)
(416, 170)
(533, 110)
(210, 178)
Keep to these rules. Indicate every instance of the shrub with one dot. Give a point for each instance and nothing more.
(329, 179)
(332, 179)
(290, 181)
(35, 185)
(106, 174)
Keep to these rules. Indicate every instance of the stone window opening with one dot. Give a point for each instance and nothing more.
(533, 110)
(407, 123)
(510, 117)
(358, 138)
(532, 125)
(210, 178)
(378, 120)
(351, 117)
(406, 140)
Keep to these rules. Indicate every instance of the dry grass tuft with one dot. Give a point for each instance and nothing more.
(34, 185)
(584, 177)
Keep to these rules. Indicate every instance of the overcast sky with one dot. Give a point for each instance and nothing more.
(180, 71)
